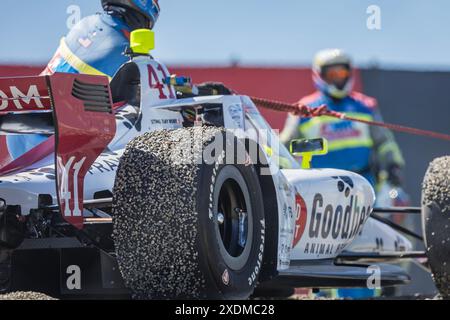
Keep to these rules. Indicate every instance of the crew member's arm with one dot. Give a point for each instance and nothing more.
(388, 155)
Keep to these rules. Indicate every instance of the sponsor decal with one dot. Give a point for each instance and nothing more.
(156, 82)
(340, 130)
(235, 111)
(329, 222)
(287, 212)
(379, 243)
(336, 224)
(323, 248)
(19, 98)
(47, 173)
(285, 187)
(300, 220)
(284, 253)
(165, 121)
(400, 244)
(69, 189)
(104, 165)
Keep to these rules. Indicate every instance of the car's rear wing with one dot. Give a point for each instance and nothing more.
(77, 109)
(25, 94)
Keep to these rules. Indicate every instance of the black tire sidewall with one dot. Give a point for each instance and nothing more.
(436, 224)
(243, 281)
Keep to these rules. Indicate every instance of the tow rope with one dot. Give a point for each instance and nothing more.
(309, 112)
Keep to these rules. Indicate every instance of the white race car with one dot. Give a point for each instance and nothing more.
(209, 207)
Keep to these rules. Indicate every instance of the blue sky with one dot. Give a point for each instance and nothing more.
(414, 33)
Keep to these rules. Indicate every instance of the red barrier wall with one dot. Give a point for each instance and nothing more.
(19, 70)
(283, 84)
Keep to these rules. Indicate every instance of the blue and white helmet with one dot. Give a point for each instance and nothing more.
(148, 8)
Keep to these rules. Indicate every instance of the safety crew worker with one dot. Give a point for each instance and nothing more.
(353, 146)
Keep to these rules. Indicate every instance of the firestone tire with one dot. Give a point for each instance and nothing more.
(191, 230)
(436, 222)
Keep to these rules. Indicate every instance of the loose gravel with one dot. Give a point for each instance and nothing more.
(436, 185)
(27, 295)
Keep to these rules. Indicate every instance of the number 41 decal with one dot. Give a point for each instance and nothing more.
(70, 173)
(155, 82)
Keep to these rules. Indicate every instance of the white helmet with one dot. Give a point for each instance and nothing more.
(332, 73)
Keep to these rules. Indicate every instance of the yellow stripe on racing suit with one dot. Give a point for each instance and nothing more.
(78, 64)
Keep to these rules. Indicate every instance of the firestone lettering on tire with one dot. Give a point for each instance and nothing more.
(258, 265)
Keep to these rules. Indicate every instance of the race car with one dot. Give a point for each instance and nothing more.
(129, 196)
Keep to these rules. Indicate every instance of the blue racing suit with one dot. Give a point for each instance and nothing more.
(352, 146)
(93, 46)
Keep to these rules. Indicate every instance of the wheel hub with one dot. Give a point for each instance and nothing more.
(243, 227)
(233, 217)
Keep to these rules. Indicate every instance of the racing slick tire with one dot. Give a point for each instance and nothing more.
(436, 222)
(189, 229)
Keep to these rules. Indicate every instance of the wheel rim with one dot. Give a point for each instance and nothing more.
(233, 217)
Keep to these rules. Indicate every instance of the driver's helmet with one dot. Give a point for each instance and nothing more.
(148, 8)
(332, 73)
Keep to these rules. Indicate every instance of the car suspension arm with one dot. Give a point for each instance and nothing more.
(397, 227)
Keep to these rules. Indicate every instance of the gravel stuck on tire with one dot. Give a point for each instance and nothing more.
(134, 230)
(28, 295)
(436, 221)
(171, 241)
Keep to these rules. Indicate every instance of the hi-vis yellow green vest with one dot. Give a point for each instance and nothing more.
(351, 145)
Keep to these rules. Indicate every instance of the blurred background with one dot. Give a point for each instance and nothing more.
(265, 49)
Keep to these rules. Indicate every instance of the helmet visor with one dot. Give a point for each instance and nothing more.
(337, 75)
